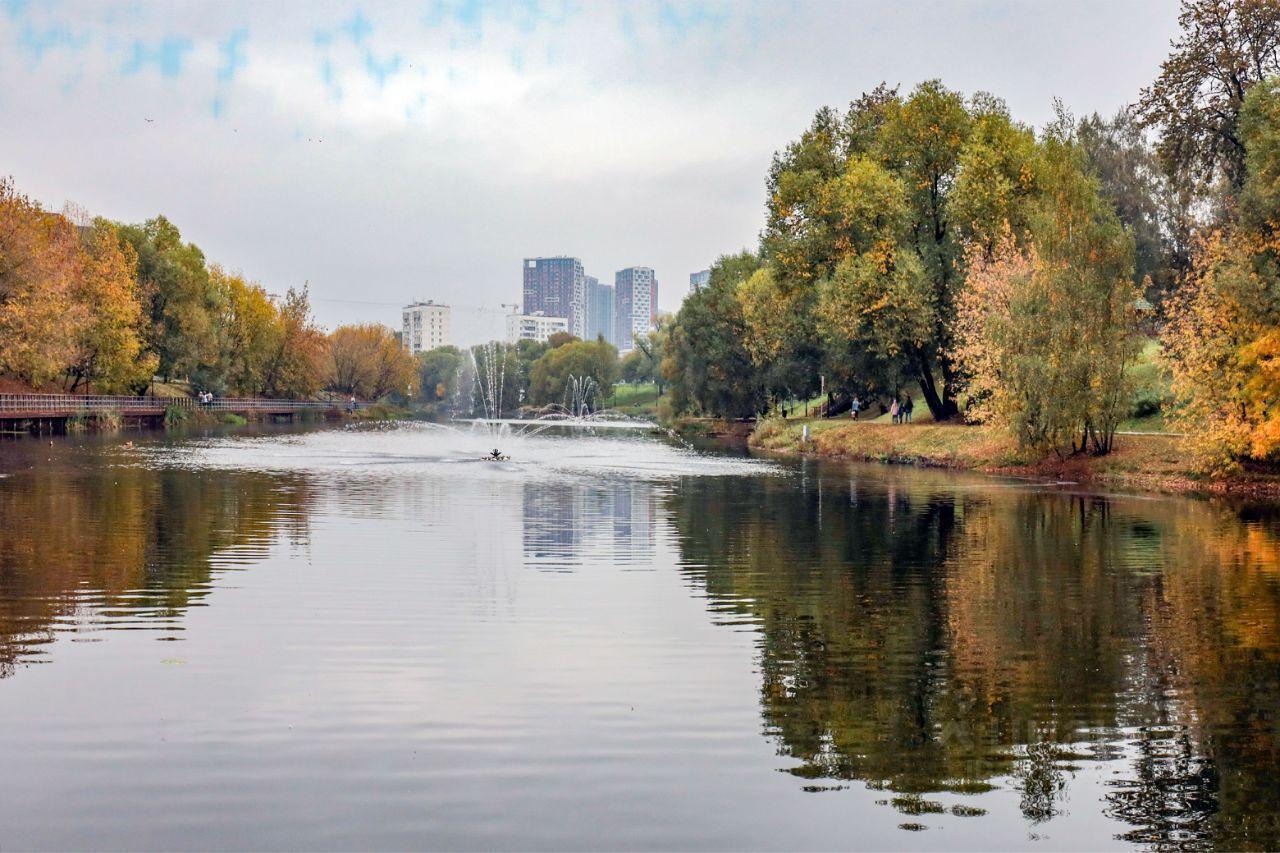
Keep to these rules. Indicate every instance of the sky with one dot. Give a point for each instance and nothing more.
(386, 152)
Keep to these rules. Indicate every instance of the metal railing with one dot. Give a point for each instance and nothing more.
(19, 404)
(263, 404)
(81, 403)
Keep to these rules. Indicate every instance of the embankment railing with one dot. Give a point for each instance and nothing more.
(20, 404)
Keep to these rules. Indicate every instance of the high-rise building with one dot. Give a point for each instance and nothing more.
(599, 310)
(634, 290)
(534, 327)
(556, 287)
(699, 280)
(426, 326)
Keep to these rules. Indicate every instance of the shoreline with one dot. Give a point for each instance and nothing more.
(1141, 462)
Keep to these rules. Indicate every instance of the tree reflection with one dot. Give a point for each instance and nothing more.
(85, 543)
(923, 634)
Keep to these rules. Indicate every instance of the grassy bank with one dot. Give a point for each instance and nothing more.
(637, 401)
(1149, 462)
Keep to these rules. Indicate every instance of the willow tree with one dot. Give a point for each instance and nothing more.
(1046, 324)
(867, 218)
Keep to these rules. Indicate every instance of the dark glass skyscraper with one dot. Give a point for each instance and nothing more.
(556, 287)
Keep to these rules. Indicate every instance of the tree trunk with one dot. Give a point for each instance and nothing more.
(941, 405)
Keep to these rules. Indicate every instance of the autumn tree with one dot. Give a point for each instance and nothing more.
(40, 264)
(368, 361)
(1224, 337)
(1225, 48)
(250, 331)
(109, 354)
(878, 300)
(1046, 328)
(296, 367)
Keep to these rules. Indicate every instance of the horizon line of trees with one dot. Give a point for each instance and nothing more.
(929, 243)
(91, 305)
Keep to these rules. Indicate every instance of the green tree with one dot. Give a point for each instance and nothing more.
(550, 376)
(1131, 179)
(862, 246)
(180, 300)
(644, 362)
(438, 375)
(706, 359)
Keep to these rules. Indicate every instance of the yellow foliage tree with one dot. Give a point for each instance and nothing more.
(1044, 334)
(1223, 338)
(108, 354)
(40, 260)
(368, 361)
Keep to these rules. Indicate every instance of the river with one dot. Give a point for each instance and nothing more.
(367, 638)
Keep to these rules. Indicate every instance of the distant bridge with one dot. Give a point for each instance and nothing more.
(51, 412)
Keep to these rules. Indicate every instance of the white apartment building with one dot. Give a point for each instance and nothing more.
(635, 293)
(426, 326)
(534, 327)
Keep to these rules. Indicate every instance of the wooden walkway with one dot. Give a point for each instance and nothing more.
(41, 412)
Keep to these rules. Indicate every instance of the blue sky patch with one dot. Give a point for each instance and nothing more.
(233, 56)
(166, 55)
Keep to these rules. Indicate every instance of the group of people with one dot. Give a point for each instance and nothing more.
(206, 397)
(899, 410)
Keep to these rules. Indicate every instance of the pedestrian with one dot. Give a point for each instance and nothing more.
(894, 410)
(907, 406)
(854, 407)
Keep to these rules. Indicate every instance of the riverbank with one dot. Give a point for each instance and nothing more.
(1140, 462)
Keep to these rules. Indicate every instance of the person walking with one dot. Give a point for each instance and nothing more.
(854, 407)
(907, 406)
(894, 410)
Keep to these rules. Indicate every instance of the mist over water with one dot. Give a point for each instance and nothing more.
(369, 638)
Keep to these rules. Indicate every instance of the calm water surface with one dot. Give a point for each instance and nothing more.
(363, 638)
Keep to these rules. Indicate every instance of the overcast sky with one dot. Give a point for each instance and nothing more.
(387, 152)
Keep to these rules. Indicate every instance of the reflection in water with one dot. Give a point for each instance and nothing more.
(924, 638)
(469, 643)
(86, 547)
(566, 523)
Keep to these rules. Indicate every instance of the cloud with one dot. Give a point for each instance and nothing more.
(460, 136)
